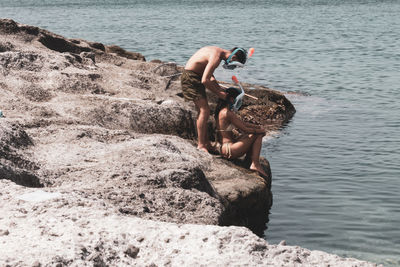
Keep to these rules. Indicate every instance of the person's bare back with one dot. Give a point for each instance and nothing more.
(205, 60)
(199, 60)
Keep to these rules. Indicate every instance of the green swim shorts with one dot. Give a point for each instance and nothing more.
(192, 88)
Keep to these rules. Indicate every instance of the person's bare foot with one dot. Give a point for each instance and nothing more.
(258, 169)
(202, 149)
(205, 147)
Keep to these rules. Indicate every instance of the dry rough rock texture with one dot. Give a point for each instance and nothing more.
(13, 164)
(58, 227)
(104, 142)
(102, 120)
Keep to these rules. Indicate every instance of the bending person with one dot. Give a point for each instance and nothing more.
(199, 75)
(249, 143)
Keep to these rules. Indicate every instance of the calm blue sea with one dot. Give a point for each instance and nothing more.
(336, 171)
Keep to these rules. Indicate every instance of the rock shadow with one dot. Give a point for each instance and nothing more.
(61, 45)
(13, 166)
(20, 177)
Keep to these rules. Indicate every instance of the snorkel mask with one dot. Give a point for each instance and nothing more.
(231, 65)
(238, 101)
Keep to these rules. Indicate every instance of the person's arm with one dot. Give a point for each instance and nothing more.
(208, 79)
(252, 125)
(236, 121)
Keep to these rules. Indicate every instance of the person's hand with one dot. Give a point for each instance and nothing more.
(223, 95)
(261, 131)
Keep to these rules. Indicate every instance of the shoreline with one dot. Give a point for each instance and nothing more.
(110, 136)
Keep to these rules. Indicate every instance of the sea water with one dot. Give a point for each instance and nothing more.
(335, 165)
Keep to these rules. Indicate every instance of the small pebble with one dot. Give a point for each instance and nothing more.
(132, 251)
(4, 232)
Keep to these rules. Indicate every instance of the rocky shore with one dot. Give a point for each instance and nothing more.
(98, 164)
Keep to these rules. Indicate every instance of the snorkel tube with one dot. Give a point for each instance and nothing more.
(239, 99)
(251, 52)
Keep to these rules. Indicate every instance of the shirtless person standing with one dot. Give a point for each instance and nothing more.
(198, 75)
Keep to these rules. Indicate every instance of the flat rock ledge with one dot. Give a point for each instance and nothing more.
(98, 164)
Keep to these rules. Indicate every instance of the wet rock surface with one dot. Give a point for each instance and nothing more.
(110, 142)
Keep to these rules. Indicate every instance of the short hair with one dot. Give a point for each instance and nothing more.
(232, 92)
(241, 54)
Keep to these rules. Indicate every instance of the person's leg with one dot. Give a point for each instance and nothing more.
(250, 143)
(255, 155)
(201, 123)
(242, 146)
(247, 159)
